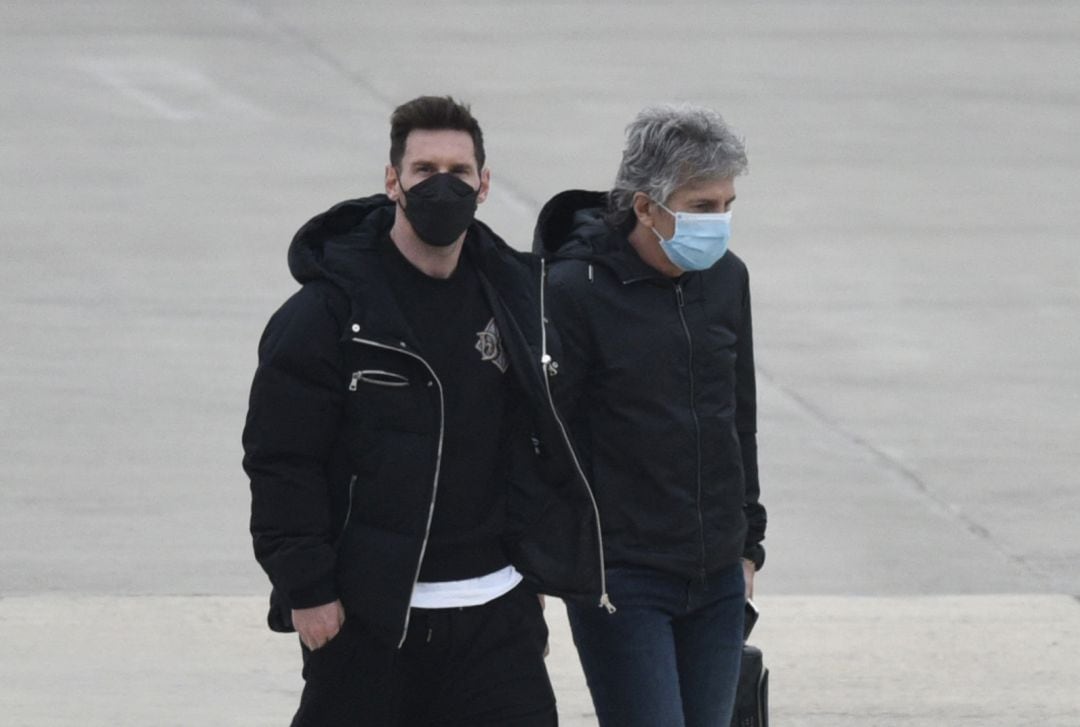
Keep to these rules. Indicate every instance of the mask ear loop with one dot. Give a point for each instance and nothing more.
(397, 178)
(673, 216)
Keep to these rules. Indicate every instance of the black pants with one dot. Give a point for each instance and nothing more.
(481, 666)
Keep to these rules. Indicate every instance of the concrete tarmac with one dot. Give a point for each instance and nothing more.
(909, 225)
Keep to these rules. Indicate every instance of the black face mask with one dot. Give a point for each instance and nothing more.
(440, 208)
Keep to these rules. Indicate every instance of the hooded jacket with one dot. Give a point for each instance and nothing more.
(344, 477)
(656, 383)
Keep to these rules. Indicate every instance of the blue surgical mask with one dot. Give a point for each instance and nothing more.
(700, 239)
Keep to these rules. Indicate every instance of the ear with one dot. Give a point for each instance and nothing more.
(485, 185)
(644, 209)
(393, 189)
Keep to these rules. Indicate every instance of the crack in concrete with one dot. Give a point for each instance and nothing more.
(512, 192)
(894, 465)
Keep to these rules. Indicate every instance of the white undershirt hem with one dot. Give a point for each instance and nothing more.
(469, 592)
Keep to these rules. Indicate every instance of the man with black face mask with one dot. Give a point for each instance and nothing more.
(412, 490)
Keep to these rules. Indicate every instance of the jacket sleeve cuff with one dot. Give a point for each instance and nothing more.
(755, 554)
(319, 593)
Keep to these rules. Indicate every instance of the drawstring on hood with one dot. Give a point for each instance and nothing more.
(551, 368)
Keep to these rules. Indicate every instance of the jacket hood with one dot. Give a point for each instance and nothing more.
(573, 226)
(329, 245)
(334, 245)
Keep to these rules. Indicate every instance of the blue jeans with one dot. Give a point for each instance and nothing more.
(669, 656)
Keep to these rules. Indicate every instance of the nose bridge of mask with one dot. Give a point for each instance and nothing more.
(703, 217)
(440, 182)
(695, 224)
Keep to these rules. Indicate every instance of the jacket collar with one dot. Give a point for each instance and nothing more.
(627, 265)
(342, 246)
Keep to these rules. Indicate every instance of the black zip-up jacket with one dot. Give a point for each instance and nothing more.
(656, 384)
(344, 471)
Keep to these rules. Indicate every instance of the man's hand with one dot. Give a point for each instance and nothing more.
(318, 625)
(748, 570)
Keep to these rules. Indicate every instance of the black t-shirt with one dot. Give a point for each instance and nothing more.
(458, 337)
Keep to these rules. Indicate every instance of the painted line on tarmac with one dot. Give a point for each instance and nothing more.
(169, 89)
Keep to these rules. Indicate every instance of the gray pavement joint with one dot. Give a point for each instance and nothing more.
(511, 192)
(291, 34)
(891, 464)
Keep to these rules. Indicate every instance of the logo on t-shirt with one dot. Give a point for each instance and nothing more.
(489, 344)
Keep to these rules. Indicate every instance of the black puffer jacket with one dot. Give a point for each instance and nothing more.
(343, 477)
(657, 385)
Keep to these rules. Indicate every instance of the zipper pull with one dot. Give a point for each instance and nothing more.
(678, 294)
(605, 602)
(550, 365)
(355, 378)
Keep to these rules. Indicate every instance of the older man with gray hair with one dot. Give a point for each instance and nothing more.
(656, 386)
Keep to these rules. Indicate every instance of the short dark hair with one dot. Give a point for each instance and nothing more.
(433, 113)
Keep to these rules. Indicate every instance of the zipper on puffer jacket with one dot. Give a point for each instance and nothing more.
(693, 413)
(438, 465)
(550, 368)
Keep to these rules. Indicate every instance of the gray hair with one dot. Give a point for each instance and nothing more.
(669, 146)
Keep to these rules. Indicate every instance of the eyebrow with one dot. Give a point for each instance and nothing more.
(462, 167)
(708, 200)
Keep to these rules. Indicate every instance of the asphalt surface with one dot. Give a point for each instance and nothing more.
(909, 222)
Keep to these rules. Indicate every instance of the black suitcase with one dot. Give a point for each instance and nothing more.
(752, 693)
